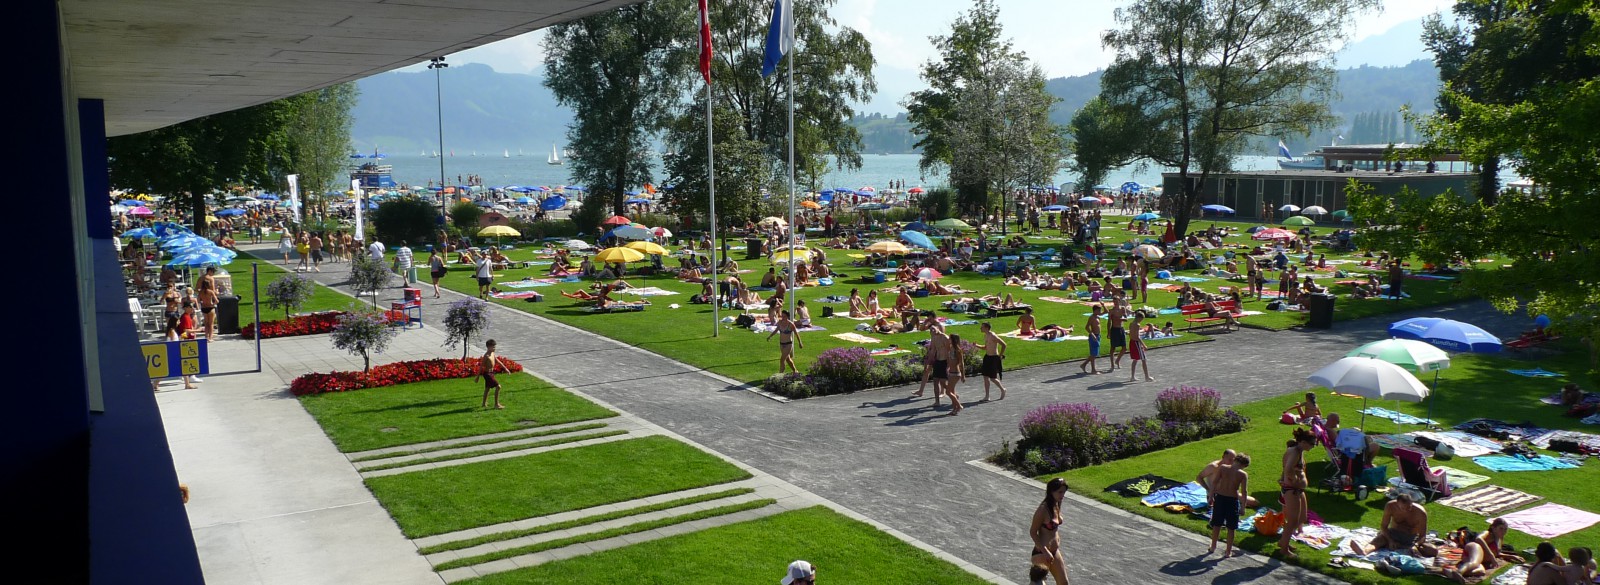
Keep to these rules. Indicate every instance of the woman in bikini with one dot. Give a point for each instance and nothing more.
(1476, 557)
(873, 308)
(956, 374)
(1292, 485)
(858, 309)
(1046, 555)
(208, 298)
(1495, 538)
(788, 336)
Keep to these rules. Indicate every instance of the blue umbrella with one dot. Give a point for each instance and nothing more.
(268, 197)
(1098, 187)
(1217, 208)
(575, 188)
(917, 226)
(131, 203)
(636, 201)
(485, 204)
(524, 200)
(145, 232)
(872, 206)
(1255, 229)
(826, 192)
(1054, 208)
(1131, 187)
(522, 189)
(1446, 334)
(918, 239)
(200, 258)
(230, 212)
(436, 188)
(553, 203)
(633, 192)
(542, 189)
(358, 155)
(1147, 216)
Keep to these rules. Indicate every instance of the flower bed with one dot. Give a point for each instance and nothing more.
(390, 375)
(308, 324)
(1058, 437)
(848, 369)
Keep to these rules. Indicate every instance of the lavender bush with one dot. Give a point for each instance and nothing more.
(1058, 437)
(1188, 404)
(1069, 425)
(368, 276)
(363, 331)
(849, 369)
(464, 319)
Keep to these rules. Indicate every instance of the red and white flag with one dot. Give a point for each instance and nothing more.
(705, 41)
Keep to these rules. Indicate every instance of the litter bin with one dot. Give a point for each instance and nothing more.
(1321, 308)
(228, 315)
(755, 248)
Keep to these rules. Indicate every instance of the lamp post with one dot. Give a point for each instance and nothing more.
(436, 64)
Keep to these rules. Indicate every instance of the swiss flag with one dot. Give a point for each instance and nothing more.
(705, 41)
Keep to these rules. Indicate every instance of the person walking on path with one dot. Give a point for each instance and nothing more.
(994, 353)
(788, 336)
(1397, 277)
(316, 252)
(402, 261)
(208, 298)
(1092, 329)
(1046, 556)
(1138, 354)
(435, 268)
(938, 356)
(285, 245)
(1226, 488)
(1119, 338)
(956, 374)
(302, 246)
(486, 368)
(483, 271)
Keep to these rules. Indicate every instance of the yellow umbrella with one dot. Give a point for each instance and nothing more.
(888, 247)
(647, 247)
(619, 255)
(496, 231)
(211, 219)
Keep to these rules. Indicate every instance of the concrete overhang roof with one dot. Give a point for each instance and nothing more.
(160, 62)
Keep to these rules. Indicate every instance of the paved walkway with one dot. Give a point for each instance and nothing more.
(905, 465)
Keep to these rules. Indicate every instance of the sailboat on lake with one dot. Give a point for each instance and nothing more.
(555, 157)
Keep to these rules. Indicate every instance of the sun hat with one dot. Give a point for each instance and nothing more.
(798, 570)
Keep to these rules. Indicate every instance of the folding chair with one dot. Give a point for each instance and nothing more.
(1414, 470)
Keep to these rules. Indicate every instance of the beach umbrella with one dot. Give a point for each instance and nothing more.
(1053, 208)
(141, 210)
(574, 188)
(230, 212)
(1370, 378)
(1341, 214)
(1410, 354)
(647, 247)
(619, 255)
(118, 209)
(918, 239)
(1273, 234)
(1447, 334)
(631, 193)
(1107, 200)
(781, 255)
(131, 203)
(1314, 210)
(661, 232)
(1290, 208)
(1254, 229)
(1147, 216)
(826, 192)
(553, 203)
(635, 201)
(485, 204)
(267, 197)
(633, 232)
(498, 231)
(1214, 208)
(143, 232)
(202, 257)
(872, 206)
(616, 220)
(917, 226)
(808, 204)
(1300, 220)
(1090, 200)
(776, 221)
(929, 274)
(1148, 252)
(916, 191)
(951, 223)
(577, 245)
(887, 247)
(1130, 187)
(524, 200)
(867, 189)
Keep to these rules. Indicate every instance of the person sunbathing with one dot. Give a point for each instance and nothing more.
(1025, 323)
(858, 309)
(904, 274)
(873, 308)
(1213, 310)
(1008, 302)
(1052, 332)
(579, 294)
(1166, 330)
(822, 270)
(1403, 528)
(934, 288)
(1476, 557)
(802, 273)
(885, 326)
(615, 285)
(747, 297)
(903, 302)
(691, 275)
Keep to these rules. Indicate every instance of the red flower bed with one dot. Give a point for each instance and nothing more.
(310, 324)
(391, 374)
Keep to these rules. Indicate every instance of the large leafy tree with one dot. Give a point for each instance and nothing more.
(832, 71)
(1104, 137)
(743, 167)
(985, 114)
(622, 72)
(1469, 73)
(1214, 73)
(319, 141)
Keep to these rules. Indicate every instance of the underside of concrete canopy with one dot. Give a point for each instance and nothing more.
(160, 62)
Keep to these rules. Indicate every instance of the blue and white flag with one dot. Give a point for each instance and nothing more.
(1284, 150)
(780, 37)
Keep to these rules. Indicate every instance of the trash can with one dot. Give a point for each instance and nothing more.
(755, 248)
(228, 315)
(411, 275)
(1321, 308)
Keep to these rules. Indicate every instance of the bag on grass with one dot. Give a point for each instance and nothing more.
(744, 321)
(1269, 523)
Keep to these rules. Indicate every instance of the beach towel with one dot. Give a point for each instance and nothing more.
(1465, 444)
(1488, 427)
(1361, 535)
(1189, 494)
(1172, 288)
(1402, 440)
(648, 291)
(1588, 398)
(1513, 575)
(1593, 419)
(1181, 278)
(1058, 300)
(834, 299)
(1543, 440)
(1550, 520)
(1520, 463)
(1142, 486)
(1460, 479)
(1159, 337)
(1398, 417)
(1321, 536)
(856, 338)
(527, 283)
(1536, 373)
(888, 351)
(1429, 277)
(1248, 313)
(618, 307)
(1170, 311)
(764, 327)
(1449, 557)
(1248, 525)
(514, 295)
(1102, 315)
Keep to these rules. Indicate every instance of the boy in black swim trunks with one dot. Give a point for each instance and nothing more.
(486, 367)
(1227, 486)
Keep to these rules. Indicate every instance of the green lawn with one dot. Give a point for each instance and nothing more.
(685, 334)
(454, 498)
(324, 299)
(844, 552)
(442, 409)
(1474, 386)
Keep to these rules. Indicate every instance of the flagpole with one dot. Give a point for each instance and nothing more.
(793, 241)
(711, 181)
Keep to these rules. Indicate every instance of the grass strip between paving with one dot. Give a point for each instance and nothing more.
(588, 427)
(584, 521)
(505, 449)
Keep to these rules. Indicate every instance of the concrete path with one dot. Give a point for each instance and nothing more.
(901, 463)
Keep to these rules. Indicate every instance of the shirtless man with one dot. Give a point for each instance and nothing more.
(1550, 568)
(1119, 336)
(788, 335)
(1226, 491)
(486, 367)
(1092, 329)
(1204, 478)
(939, 364)
(994, 351)
(1403, 526)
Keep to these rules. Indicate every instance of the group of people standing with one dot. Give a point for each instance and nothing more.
(313, 248)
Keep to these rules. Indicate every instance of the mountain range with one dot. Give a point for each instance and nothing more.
(485, 110)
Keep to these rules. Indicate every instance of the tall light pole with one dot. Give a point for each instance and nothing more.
(436, 64)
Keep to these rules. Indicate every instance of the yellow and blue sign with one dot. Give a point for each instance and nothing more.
(170, 359)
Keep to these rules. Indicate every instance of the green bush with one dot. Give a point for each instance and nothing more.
(545, 228)
(590, 213)
(408, 219)
(464, 216)
(936, 203)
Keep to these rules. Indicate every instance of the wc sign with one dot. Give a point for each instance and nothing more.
(170, 359)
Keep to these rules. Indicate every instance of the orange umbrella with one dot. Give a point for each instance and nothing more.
(616, 220)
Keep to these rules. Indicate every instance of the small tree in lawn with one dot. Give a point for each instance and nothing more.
(464, 319)
(368, 276)
(289, 292)
(363, 331)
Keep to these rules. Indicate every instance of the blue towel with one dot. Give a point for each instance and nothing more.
(1519, 463)
(1536, 373)
(1190, 494)
(825, 281)
(1181, 278)
(1169, 311)
(1398, 417)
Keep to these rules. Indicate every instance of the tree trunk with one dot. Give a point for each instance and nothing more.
(1489, 181)
(197, 205)
(466, 345)
(366, 362)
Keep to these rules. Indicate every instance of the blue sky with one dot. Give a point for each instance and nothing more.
(1062, 36)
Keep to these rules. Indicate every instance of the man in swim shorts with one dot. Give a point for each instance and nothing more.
(1092, 328)
(1227, 486)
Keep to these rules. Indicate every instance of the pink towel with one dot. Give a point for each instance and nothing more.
(1550, 520)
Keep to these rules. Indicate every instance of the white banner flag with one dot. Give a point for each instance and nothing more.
(361, 202)
(294, 196)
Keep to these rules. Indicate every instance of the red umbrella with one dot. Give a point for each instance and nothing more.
(1274, 234)
(916, 191)
(616, 220)
(928, 274)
